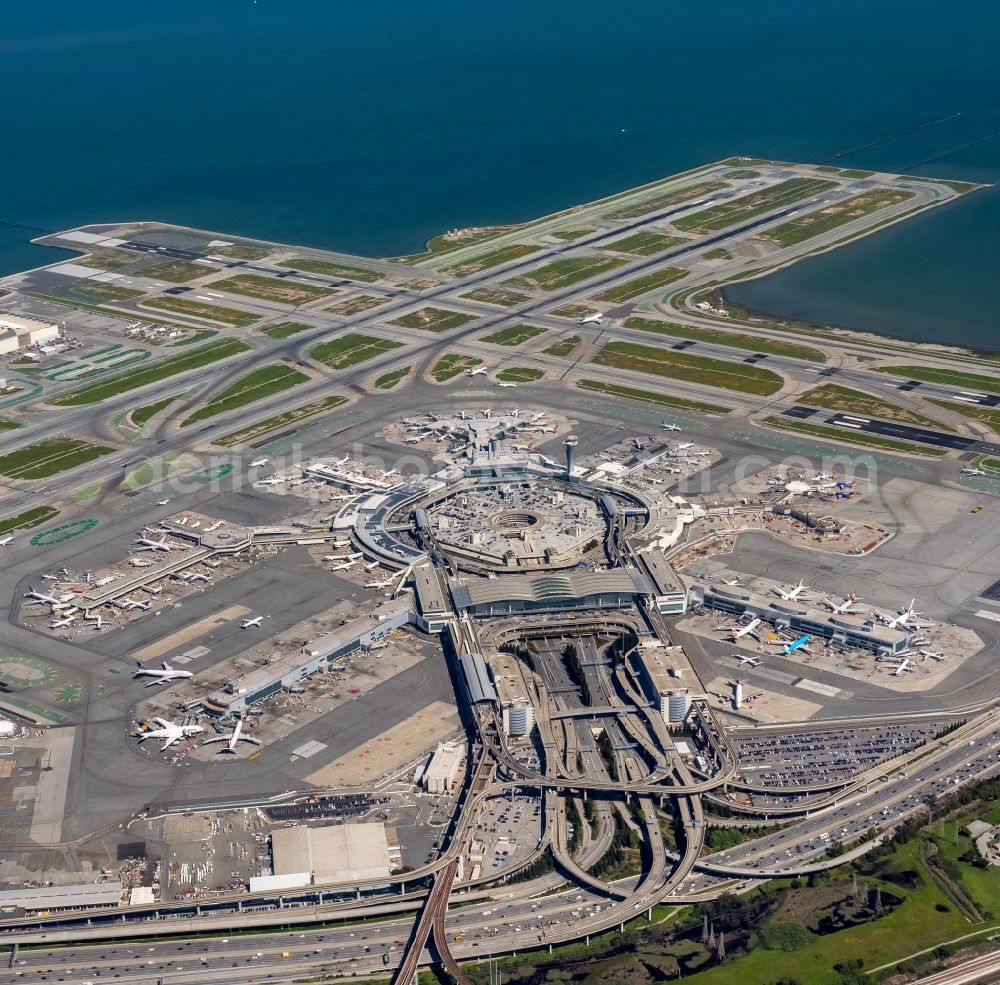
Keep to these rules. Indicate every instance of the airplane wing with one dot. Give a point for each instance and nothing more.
(251, 740)
(218, 738)
(155, 681)
(163, 723)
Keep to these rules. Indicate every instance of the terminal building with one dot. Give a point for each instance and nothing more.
(798, 617)
(669, 593)
(288, 670)
(617, 588)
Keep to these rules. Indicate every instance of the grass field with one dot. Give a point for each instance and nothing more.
(562, 273)
(848, 436)
(946, 377)
(642, 285)
(563, 347)
(645, 243)
(520, 374)
(272, 289)
(332, 269)
(650, 397)
(573, 311)
(6, 425)
(28, 519)
(751, 206)
(356, 305)
(142, 414)
(719, 253)
(693, 369)
(736, 340)
(351, 349)
(988, 415)
(89, 293)
(451, 365)
(176, 271)
(496, 295)
(667, 199)
(833, 215)
(279, 421)
(388, 380)
(849, 401)
(286, 329)
(260, 383)
(433, 319)
(199, 309)
(513, 335)
(49, 457)
(241, 251)
(492, 259)
(192, 359)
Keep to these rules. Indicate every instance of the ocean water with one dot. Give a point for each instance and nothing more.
(369, 127)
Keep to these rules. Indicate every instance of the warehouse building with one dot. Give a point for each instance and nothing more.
(71, 897)
(443, 769)
(335, 853)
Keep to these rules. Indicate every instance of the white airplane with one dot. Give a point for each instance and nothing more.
(214, 526)
(57, 623)
(637, 444)
(379, 582)
(97, 620)
(902, 667)
(259, 462)
(391, 472)
(40, 597)
(4, 541)
(792, 594)
(973, 472)
(478, 371)
(251, 623)
(411, 441)
(160, 676)
(154, 545)
(750, 629)
(934, 655)
(132, 604)
(668, 427)
(506, 386)
(684, 446)
(842, 608)
(594, 319)
(169, 732)
(902, 618)
(825, 476)
(231, 740)
(344, 566)
(731, 581)
(752, 661)
(199, 576)
(537, 417)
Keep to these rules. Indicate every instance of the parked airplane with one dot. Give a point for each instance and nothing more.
(847, 485)
(169, 732)
(902, 667)
(669, 427)
(792, 594)
(199, 576)
(57, 623)
(799, 644)
(251, 623)
(379, 582)
(637, 444)
(973, 472)
(231, 740)
(411, 441)
(214, 526)
(594, 319)
(750, 629)
(167, 673)
(683, 446)
(478, 371)
(345, 566)
(259, 462)
(825, 476)
(40, 596)
(731, 581)
(934, 655)
(4, 541)
(97, 620)
(743, 659)
(132, 604)
(842, 608)
(902, 618)
(154, 545)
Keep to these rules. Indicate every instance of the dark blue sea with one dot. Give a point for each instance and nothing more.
(370, 126)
